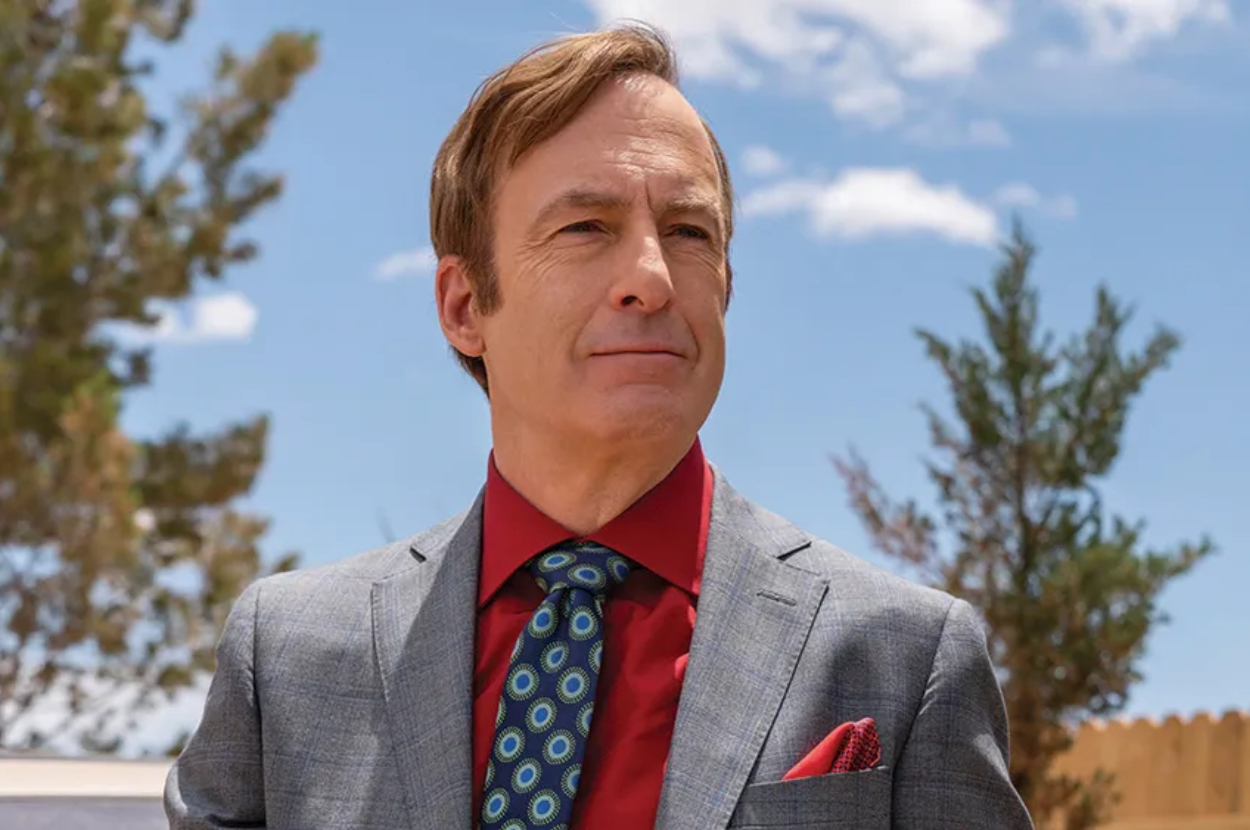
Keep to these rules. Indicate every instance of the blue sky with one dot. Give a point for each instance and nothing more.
(878, 150)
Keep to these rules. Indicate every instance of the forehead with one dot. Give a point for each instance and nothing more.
(636, 132)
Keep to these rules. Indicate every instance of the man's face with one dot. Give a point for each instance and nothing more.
(610, 256)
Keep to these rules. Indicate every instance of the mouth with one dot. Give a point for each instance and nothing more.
(640, 351)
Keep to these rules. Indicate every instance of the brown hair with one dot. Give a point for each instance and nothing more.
(512, 111)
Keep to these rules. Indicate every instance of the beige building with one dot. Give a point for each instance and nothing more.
(50, 793)
(1172, 774)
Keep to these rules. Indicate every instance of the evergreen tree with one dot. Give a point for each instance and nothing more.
(1068, 592)
(119, 555)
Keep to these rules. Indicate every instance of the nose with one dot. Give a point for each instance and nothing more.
(643, 281)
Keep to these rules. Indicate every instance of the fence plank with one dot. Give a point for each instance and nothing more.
(1242, 800)
(1225, 765)
(1195, 771)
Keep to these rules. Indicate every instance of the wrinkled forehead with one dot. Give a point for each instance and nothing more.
(635, 127)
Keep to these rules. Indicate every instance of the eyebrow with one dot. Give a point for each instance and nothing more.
(579, 197)
(697, 204)
(582, 197)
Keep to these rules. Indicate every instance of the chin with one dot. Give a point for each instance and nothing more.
(644, 416)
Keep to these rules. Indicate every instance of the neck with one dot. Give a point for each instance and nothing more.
(583, 488)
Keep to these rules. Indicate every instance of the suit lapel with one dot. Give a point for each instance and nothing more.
(423, 629)
(754, 615)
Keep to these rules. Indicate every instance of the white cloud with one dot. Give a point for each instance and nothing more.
(762, 161)
(713, 34)
(1120, 29)
(988, 132)
(942, 131)
(862, 203)
(894, 63)
(416, 262)
(862, 47)
(931, 38)
(228, 316)
(215, 318)
(862, 90)
(928, 38)
(1021, 195)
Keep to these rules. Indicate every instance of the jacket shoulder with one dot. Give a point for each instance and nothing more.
(852, 575)
(858, 583)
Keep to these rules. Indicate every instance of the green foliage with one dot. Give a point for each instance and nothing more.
(119, 556)
(1069, 593)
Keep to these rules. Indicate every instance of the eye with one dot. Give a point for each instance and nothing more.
(585, 226)
(691, 232)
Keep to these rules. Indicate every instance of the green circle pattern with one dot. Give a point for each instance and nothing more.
(559, 746)
(573, 685)
(547, 705)
(495, 804)
(542, 624)
(554, 657)
(590, 577)
(541, 715)
(618, 567)
(596, 657)
(584, 717)
(553, 562)
(570, 779)
(522, 682)
(544, 807)
(509, 744)
(583, 624)
(526, 775)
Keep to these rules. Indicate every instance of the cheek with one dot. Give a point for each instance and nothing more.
(555, 284)
(702, 271)
(704, 301)
(541, 329)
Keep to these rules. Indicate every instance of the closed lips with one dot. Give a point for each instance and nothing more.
(640, 350)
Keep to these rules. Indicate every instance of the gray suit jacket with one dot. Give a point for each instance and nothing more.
(342, 697)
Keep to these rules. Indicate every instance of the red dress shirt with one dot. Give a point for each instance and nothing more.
(648, 622)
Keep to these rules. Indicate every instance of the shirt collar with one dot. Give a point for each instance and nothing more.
(665, 531)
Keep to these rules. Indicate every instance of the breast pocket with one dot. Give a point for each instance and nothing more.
(859, 800)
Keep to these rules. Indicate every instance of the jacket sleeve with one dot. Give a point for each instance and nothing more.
(953, 770)
(218, 780)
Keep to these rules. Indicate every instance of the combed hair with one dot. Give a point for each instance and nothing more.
(514, 110)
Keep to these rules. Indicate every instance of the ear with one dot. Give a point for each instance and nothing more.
(457, 312)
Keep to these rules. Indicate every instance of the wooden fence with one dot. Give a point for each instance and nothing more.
(1171, 774)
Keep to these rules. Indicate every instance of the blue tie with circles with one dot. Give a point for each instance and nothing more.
(548, 698)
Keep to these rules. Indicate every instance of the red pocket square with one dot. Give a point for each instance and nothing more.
(852, 747)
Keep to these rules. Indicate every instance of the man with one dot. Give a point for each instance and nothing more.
(610, 637)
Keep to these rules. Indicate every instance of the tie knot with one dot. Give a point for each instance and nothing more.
(586, 565)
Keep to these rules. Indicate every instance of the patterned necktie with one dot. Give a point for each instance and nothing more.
(548, 698)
